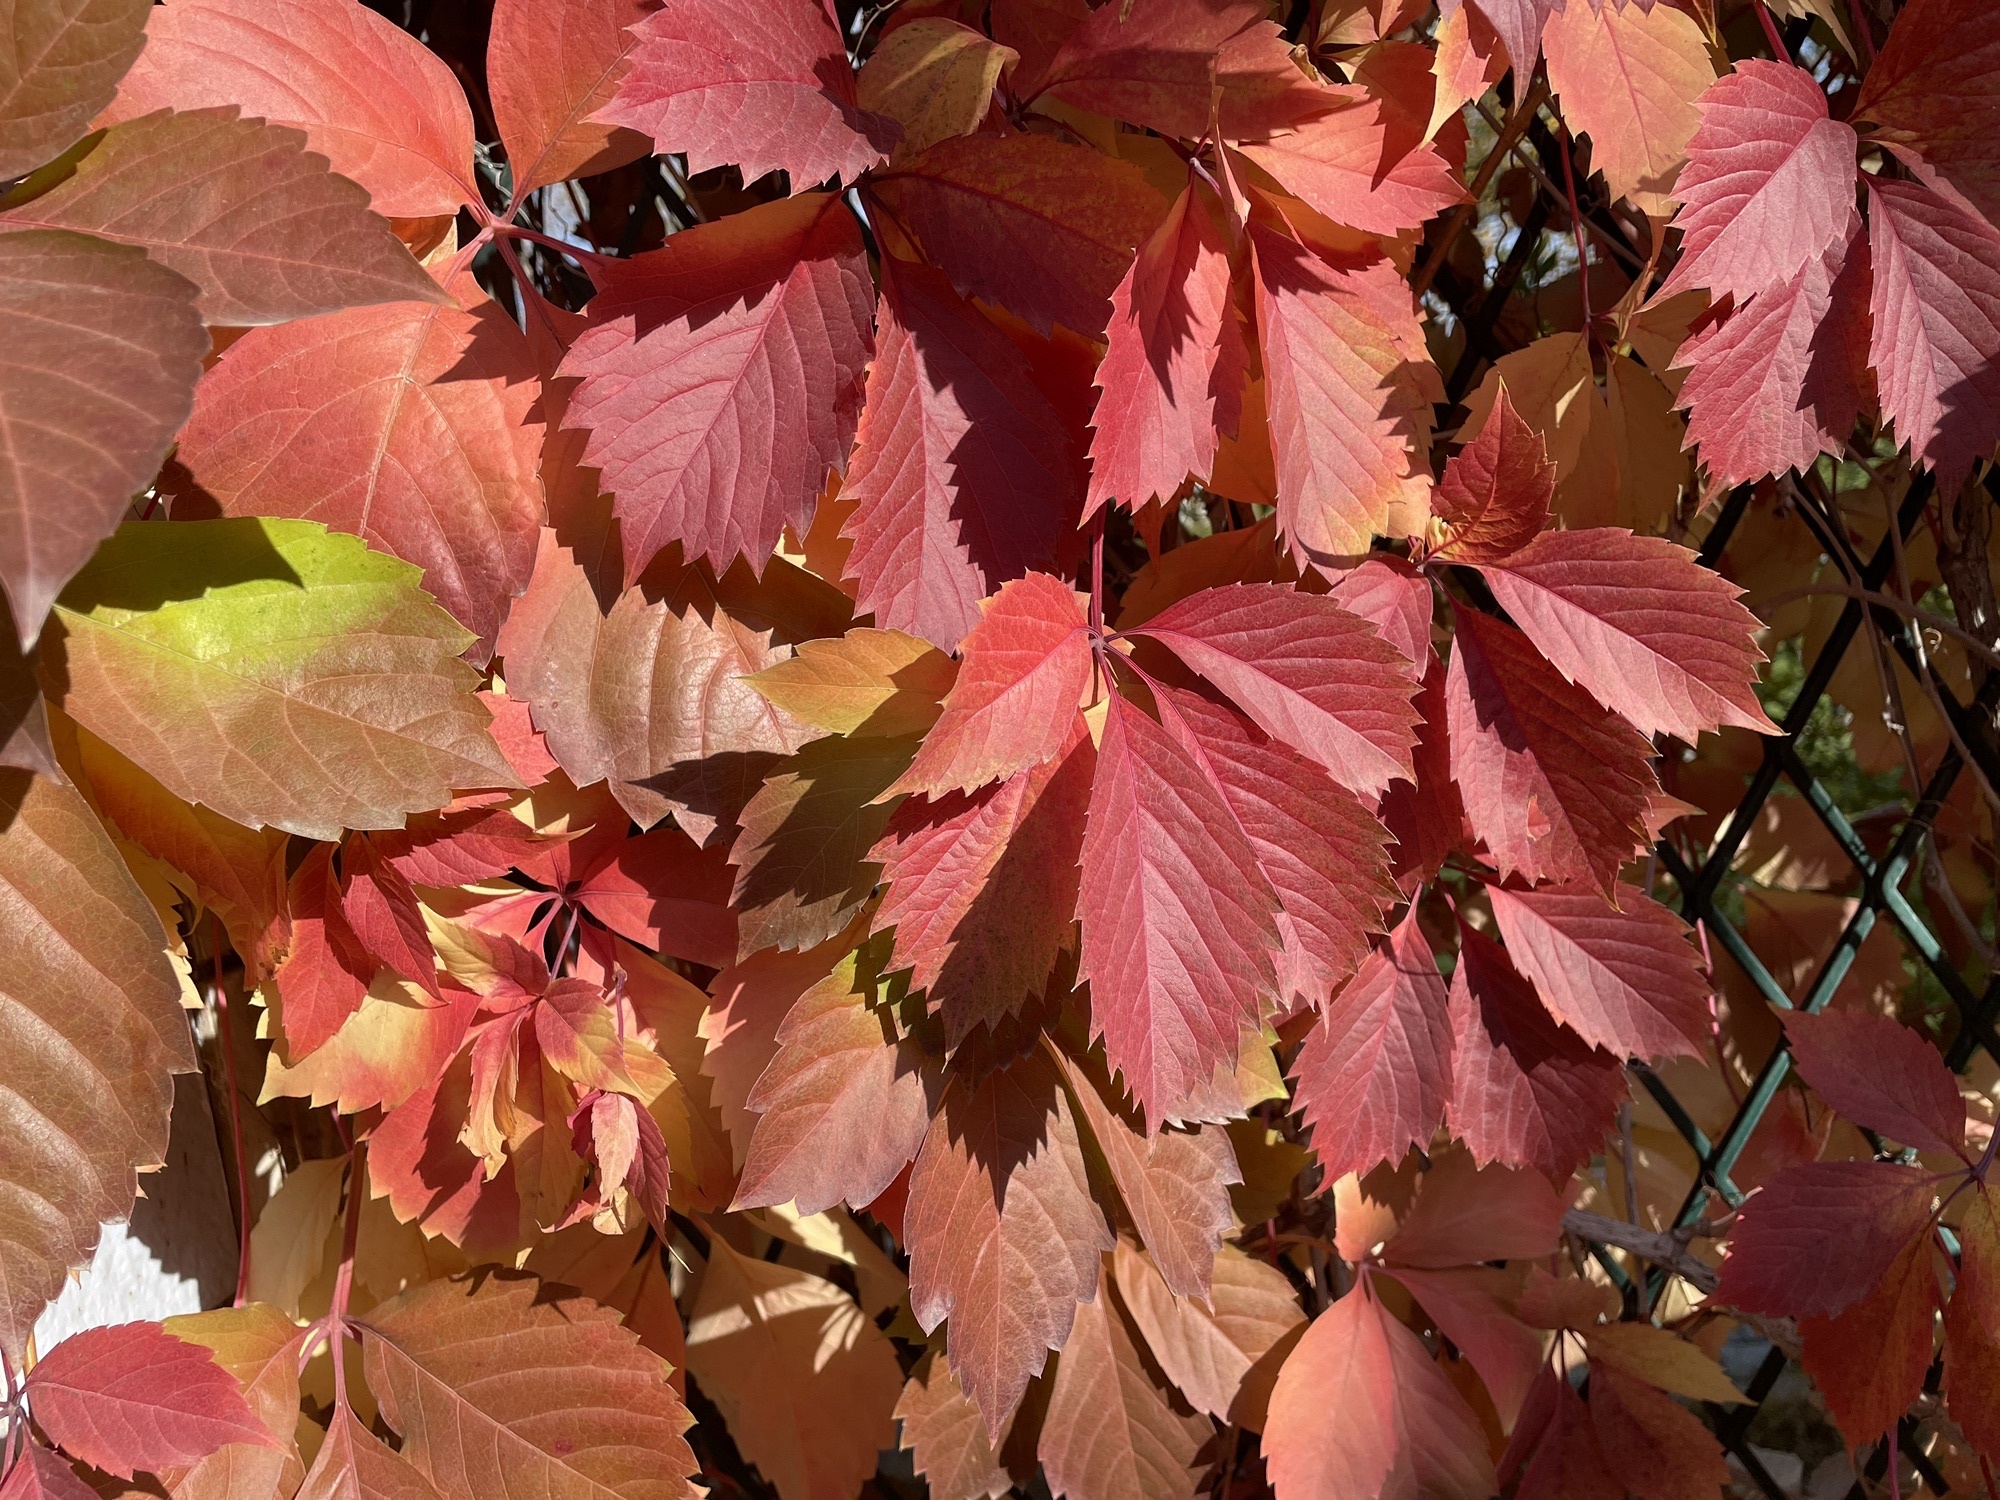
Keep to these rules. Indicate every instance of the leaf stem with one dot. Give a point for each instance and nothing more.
(1771, 33)
(228, 1041)
(343, 1280)
(1576, 228)
(1097, 574)
(1517, 124)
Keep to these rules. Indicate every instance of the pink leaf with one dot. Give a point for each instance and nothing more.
(1319, 848)
(1003, 1235)
(1496, 490)
(1556, 787)
(379, 105)
(1172, 378)
(1157, 63)
(1346, 164)
(1309, 673)
(663, 891)
(962, 478)
(1396, 599)
(38, 1474)
(1374, 1075)
(1526, 1090)
(764, 87)
(1781, 380)
(982, 888)
(1936, 310)
(1361, 1410)
(1880, 1074)
(693, 352)
(1518, 23)
(1637, 622)
(381, 908)
(548, 68)
(411, 427)
(1177, 916)
(1345, 417)
(1623, 978)
(132, 1397)
(1025, 668)
(1769, 183)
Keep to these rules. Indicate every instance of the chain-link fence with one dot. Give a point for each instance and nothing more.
(1880, 889)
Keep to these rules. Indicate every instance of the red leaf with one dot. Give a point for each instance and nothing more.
(277, 235)
(1932, 89)
(1780, 381)
(1880, 1074)
(381, 910)
(963, 477)
(1177, 916)
(1638, 623)
(1025, 667)
(1426, 817)
(378, 104)
(1374, 1075)
(1655, 1447)
(132, 1396)
(38, 1474)
(322, 980)
(662, 891)
(1172, 378)
(1936, 311)
(1349, 165)
(842, 1107)
(1474, 1308)
(1526, 1090)
(1042, 228)
(98, 369)
(1003, 1235)
(548, 68)
(1112, 1431)
(1556, 787)
(1396, 599)
(1309, 673)
(1624, 978)
(763, 87)
(462, 848)
(1465, 1214)
(982, 888)
(411, 427)
(1972, 1327)
(1361, 1410)
(1496, 490)
(1819, 1236)
(1769, 183)
(1344, 416)
(1174, 1185)
(1518, 23)
(1157, 63)
(1870, 1359)
(693, 351)
(1320, 849)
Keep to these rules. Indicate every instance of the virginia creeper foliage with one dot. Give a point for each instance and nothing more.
(978, 728)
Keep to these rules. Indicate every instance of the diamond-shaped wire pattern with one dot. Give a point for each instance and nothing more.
(1880, 896)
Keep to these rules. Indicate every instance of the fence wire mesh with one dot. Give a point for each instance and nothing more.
(1879, 884)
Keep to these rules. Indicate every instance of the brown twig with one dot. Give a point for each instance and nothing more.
(1462, 215)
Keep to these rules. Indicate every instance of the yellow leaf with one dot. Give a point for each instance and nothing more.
(1661, 1359)
(1628, 77)
(288, 1246)
(935, 78)
(873, 682)
(806, 1383)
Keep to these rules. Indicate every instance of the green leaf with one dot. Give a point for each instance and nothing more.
(274, 671)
